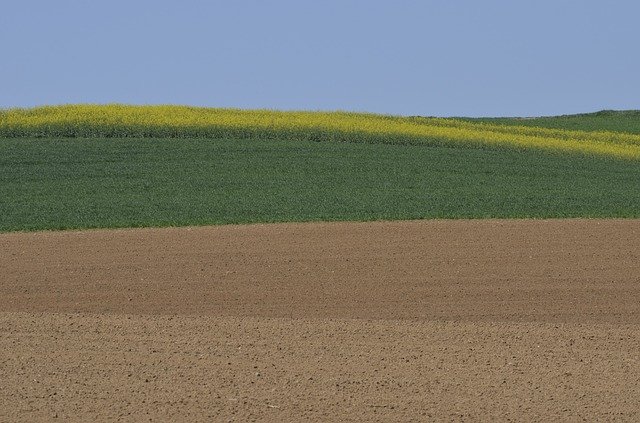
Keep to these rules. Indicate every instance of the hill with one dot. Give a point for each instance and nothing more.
(604, 120)
(123, 166)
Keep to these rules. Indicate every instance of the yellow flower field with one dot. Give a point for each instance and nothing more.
(186, 122)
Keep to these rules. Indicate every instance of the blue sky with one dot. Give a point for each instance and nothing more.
(442, 58)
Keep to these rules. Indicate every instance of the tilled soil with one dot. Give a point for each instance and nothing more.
(426, 320)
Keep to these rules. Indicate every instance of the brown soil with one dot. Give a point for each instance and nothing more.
(430, 320)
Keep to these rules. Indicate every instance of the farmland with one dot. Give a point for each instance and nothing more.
(172, 263)
(86, 121)
(102, 167)
(604, 120)
(323, 321)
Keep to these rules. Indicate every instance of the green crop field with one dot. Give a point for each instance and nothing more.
(154, 174)
(605, 120)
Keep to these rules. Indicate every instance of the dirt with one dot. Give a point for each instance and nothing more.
(401, 321)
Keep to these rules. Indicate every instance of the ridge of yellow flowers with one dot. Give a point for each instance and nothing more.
(182, 122)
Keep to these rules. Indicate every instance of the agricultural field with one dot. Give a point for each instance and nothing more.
(604, 120)
(121, 166)
(181, 263)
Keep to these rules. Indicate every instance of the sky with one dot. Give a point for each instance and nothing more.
(429, 58)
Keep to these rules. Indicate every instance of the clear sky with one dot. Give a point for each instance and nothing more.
(443, 58)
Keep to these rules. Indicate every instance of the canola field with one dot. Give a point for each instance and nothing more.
(73, 167)
(96, 121)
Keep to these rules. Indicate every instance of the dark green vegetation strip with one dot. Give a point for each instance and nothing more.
(605, 120)
(90, 183)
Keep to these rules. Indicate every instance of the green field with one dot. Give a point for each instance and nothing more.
(123, 166)
(604, 120)
(89, 183)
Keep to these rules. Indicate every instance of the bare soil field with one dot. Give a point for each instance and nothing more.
(381, 321)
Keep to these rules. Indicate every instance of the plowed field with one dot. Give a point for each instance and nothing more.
(422, 320)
